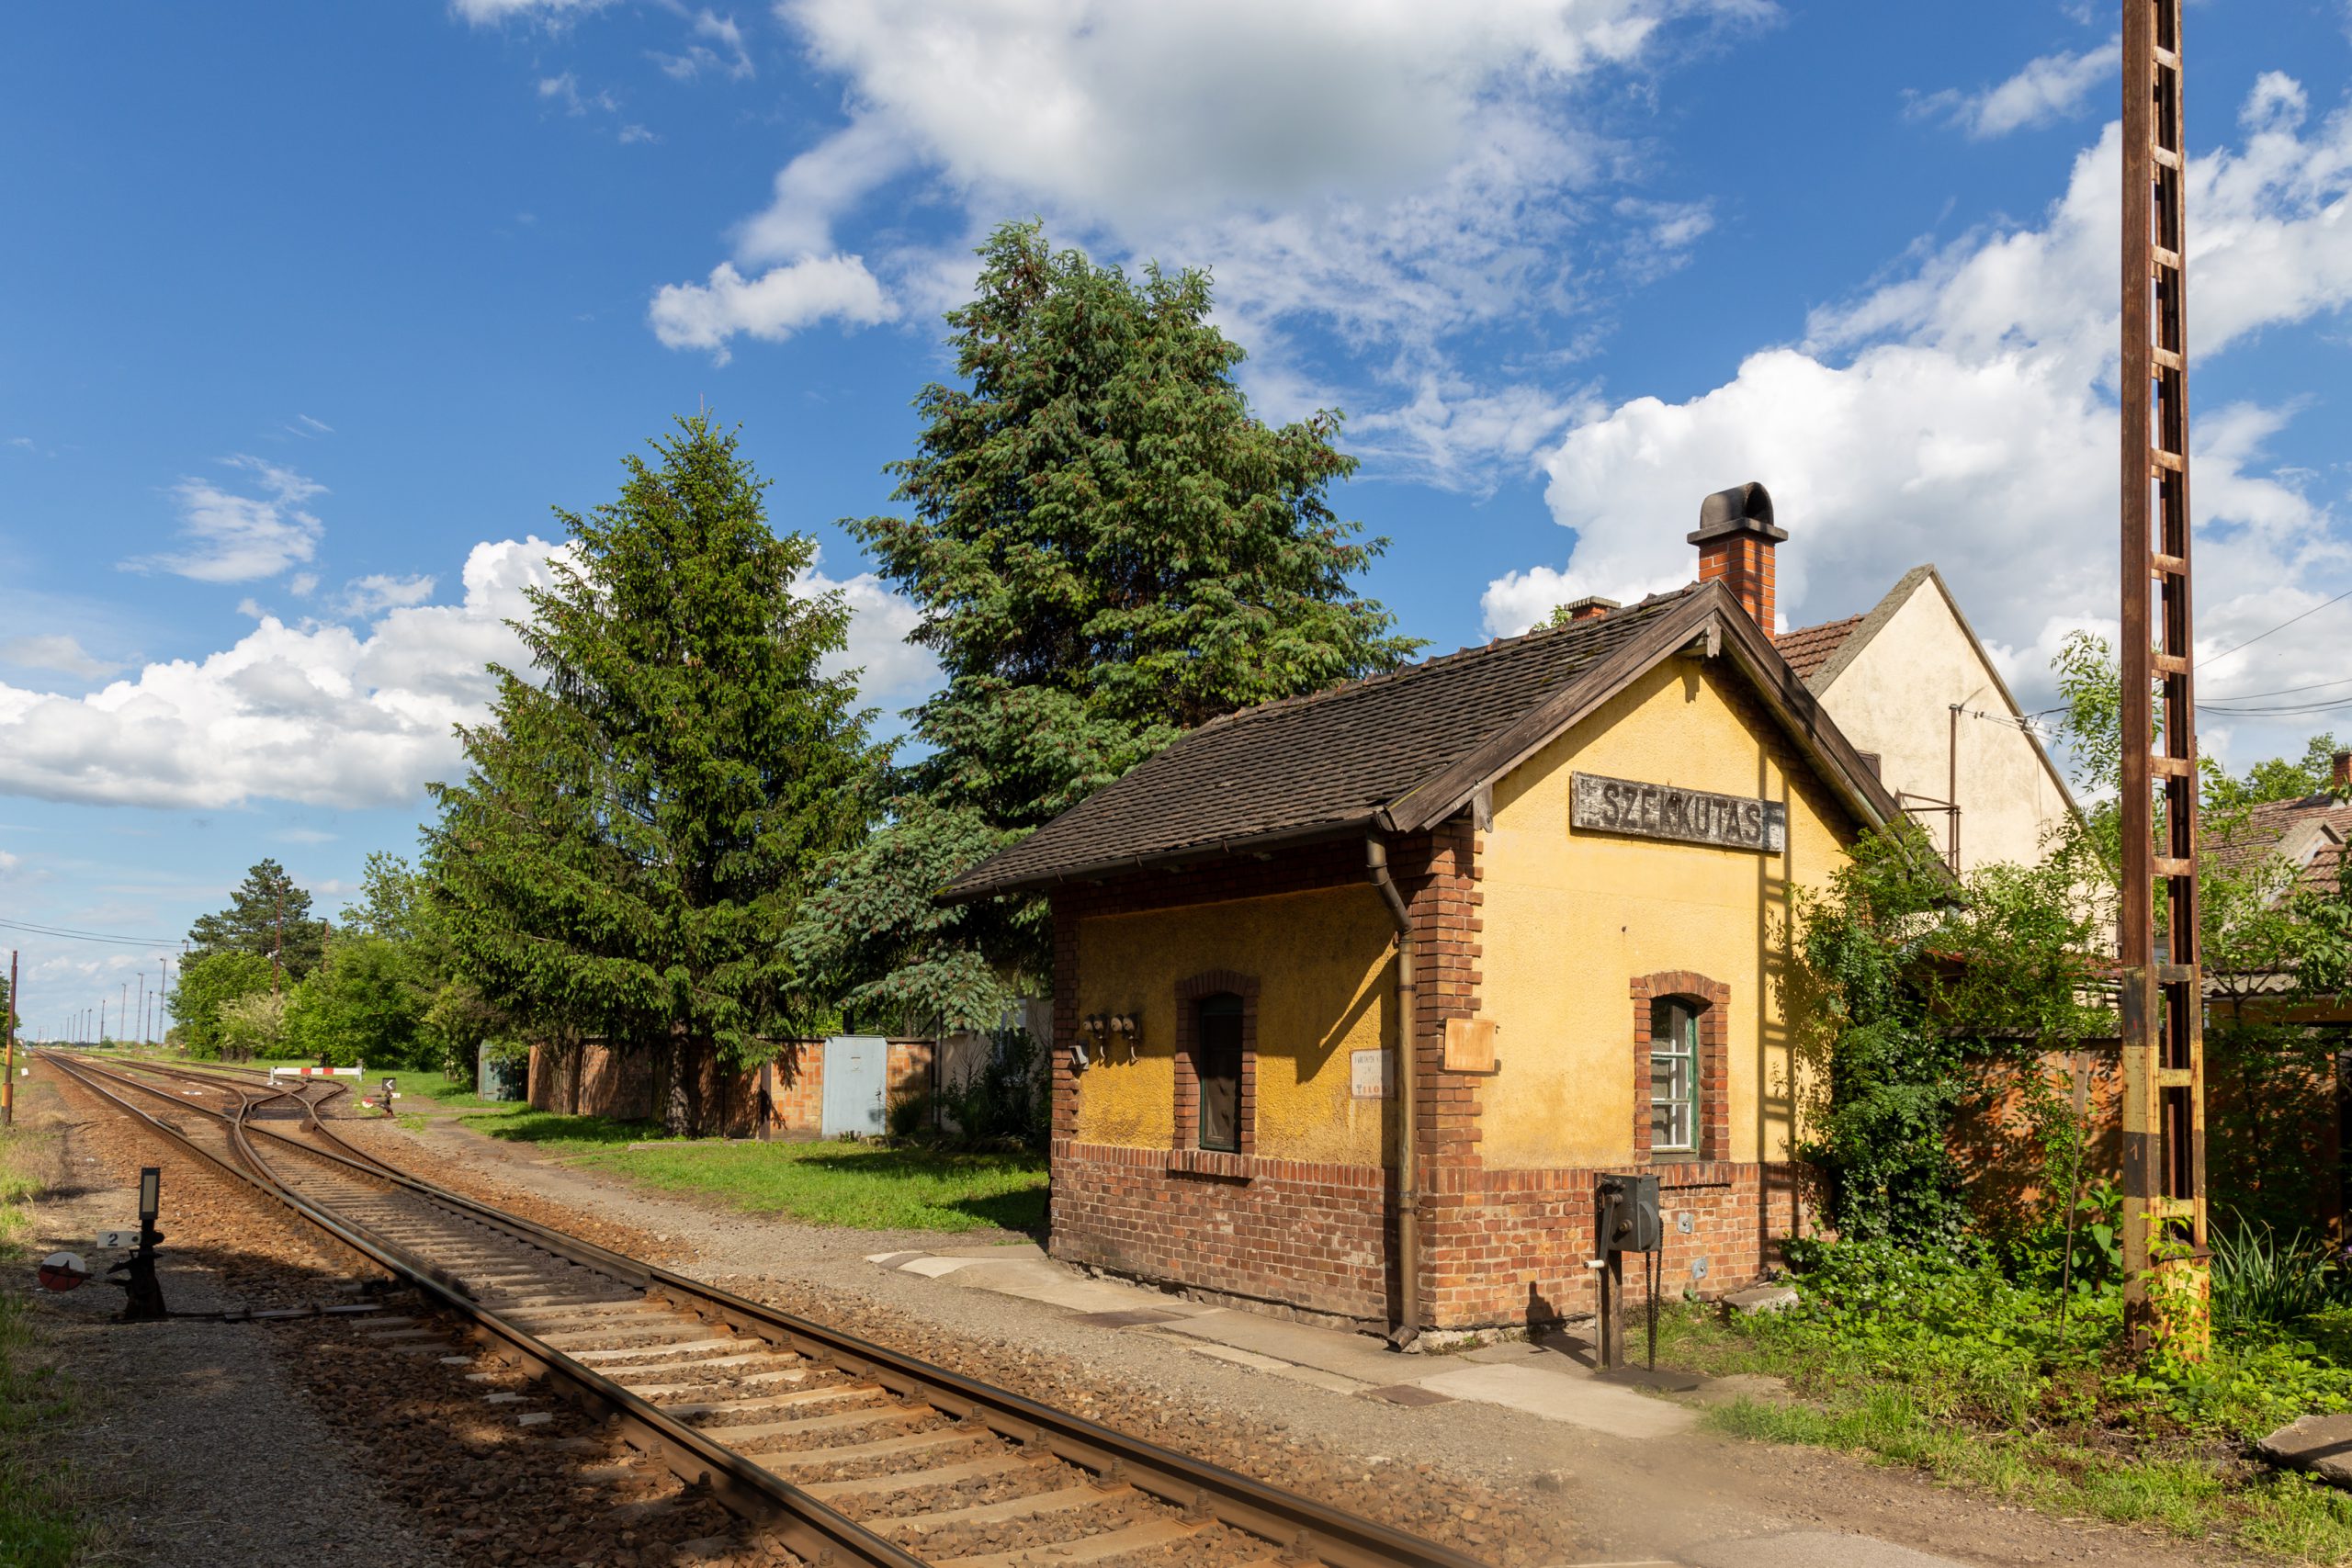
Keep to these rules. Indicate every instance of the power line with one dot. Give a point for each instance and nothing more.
(2284, 708)
(2282, 626)
(2281, 691)
(68, 934)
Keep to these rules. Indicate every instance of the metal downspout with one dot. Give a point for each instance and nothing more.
(1408, 1326)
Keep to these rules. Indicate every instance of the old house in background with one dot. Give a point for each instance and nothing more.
(2308, 835)
(1909, 685)
(1549, 878)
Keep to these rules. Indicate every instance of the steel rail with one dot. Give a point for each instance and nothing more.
(1305, 1530)
(813, 1531)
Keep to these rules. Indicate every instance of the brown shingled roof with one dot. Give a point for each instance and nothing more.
(1379, 752)
(1807, 648)
(2288, 826)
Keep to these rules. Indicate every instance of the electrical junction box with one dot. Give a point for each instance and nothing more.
(1628, 1215)
(1470, 1044)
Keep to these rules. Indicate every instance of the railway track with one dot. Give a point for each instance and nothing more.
(844, 1450)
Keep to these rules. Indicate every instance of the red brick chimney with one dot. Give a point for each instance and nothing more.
(2342, 781)
(1736, 537)
(1589, 608)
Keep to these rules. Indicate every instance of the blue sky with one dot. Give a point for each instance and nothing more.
(309, 314)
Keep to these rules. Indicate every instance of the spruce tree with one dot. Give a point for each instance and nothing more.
(266, 915)
(1107, 549)
(645, 810)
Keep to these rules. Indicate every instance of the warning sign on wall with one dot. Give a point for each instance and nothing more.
(1368, 1075)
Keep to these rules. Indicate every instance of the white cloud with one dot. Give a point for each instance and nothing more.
(56, 652)
(565, 91)
(312, 713)
(236, 538)
(716, 45)
(380, 591)
(483, 12)
(631, 134)
(2052, 88)
(895, 671)
(327, 714)
(772, 306)
(1397, 173)
(1964, 412)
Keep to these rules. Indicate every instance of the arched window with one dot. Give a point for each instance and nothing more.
(1217, 1057)
(1674, 1074)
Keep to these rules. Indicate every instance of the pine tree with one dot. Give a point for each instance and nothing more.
(642, 819)
(1108, 549)
(266, 915)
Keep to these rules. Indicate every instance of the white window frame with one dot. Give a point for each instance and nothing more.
(1665, 1109)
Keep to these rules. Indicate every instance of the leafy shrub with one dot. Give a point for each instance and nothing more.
(1007, 1100)
(2260, 1278)
(252, 1026)
(909, 1114)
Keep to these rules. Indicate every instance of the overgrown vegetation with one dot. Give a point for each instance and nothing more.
(1969, 1370)
(1971, 1319)
(39, 1524)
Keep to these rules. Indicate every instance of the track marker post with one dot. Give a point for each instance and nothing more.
(142, 1294)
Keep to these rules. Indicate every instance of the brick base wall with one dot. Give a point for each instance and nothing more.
(1530, 1233)
(1313, 1237)
(1278, 1231)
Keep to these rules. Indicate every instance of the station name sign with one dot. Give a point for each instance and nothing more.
(1686, 815)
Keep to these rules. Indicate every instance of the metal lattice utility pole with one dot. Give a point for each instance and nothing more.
(2163, 1001)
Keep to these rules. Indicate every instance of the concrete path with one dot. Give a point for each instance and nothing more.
(1540, 1380)
(1544, 1378)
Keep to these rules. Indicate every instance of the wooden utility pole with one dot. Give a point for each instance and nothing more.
(2166, 1285)
(8, 1090)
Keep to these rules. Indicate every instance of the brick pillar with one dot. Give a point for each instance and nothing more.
(1440, 884)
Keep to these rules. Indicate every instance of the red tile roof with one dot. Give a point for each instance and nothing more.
(1807, 648)
(2268, 828)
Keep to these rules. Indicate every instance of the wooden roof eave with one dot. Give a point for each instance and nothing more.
(1166, 860)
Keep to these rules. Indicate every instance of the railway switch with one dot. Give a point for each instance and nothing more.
(142, 1293)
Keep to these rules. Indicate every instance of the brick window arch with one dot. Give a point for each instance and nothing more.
(1684, 993)
(1190, 994)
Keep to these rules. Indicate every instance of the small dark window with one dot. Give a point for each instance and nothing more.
(1674, 1074)
(1218, 1060)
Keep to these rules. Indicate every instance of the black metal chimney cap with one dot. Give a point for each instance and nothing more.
(1743, 508)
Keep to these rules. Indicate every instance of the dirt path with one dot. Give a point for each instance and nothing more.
(1686, 1498)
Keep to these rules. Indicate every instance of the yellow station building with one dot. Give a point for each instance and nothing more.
(1565, 858)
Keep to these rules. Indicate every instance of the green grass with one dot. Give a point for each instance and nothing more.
(1945, 1403)
(430, 1086)
(861, 1185)
(38, 1525)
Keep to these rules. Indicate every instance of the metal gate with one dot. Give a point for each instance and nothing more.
(856, 1072)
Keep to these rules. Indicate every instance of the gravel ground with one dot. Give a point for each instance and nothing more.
(1498, 1483)
(199, 1447)
(389, 1453)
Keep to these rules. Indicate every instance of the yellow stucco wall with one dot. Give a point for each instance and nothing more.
(1895, 699)
(1572, 917)
(1322, 960)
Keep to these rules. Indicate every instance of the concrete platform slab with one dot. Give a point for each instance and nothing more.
(1811, 1548)
(1037, 1279)
(1561, 1396)
(2320, 1444)
(1351, 1356)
